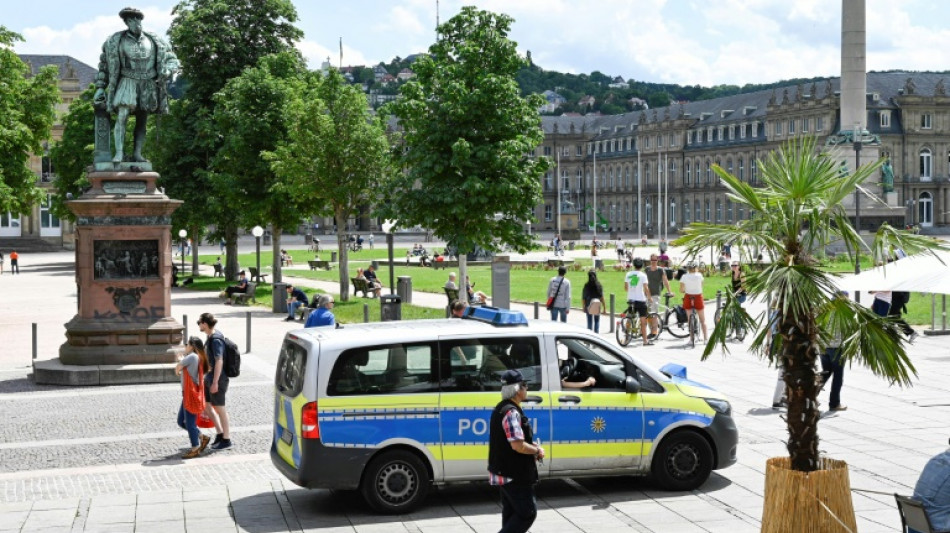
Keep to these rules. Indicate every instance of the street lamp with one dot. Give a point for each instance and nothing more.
(182, 233)
(857, 134)
(257, 231)
(388, 226)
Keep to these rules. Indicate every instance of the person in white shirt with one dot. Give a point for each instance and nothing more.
(691, 285)
(637, 286)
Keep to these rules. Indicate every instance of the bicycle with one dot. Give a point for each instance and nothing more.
(735, 329)
(673, 318)
(628, 327)
(693, 327)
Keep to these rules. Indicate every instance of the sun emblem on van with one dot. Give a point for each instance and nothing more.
(598, 425)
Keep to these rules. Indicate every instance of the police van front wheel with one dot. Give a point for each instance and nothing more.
(683, 461)
(395, 482)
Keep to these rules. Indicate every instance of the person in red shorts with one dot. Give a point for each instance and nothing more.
(691, 285)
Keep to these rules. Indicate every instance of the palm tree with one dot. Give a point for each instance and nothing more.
(794, 215)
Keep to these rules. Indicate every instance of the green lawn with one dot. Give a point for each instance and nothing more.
(528, 283)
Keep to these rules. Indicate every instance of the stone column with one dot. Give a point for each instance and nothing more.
(853, 64)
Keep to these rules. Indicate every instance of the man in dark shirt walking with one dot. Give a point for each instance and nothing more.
(513, 456)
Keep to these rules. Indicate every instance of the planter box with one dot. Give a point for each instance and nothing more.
(807, 501)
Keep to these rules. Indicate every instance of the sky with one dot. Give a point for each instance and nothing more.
(689, 42)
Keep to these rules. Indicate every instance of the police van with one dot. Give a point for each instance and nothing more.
(392, 408)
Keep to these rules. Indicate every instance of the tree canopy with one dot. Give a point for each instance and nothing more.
(467, 133)
(73, 153)
(336, 154)
(27, 113)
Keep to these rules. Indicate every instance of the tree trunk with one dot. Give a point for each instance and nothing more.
(231, 266)
(463, 273)
(340, 218)
(196, 231)
(800, 351)
(277, 274)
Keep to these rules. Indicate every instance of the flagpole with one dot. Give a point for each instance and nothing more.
(659, 195)
(639, 198)
(594, 210)
(666, 196)
(557, 187)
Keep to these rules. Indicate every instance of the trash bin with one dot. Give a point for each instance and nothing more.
(279, 298)
(267, 235)
(404, 288)
(333, 257)
(308, 239)
(570, 245)
(390, 307)
(375, 264)
(599, 264)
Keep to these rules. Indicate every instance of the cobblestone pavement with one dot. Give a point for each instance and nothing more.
(106, 459)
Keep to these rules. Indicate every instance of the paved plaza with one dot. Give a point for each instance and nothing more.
(106, 459)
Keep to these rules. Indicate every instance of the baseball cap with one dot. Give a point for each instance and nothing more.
(510, 377)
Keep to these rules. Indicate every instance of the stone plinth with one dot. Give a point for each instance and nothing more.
(123, 276)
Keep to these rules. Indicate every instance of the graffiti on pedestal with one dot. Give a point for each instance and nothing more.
(125, 259)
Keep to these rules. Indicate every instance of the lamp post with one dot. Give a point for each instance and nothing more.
(856, 133)
(257, 231)
(182, 233)
(388, 226)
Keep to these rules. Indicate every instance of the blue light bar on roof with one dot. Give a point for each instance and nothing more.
(496, 316)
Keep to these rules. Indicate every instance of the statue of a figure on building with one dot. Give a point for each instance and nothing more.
(134, 68)
(887, 176)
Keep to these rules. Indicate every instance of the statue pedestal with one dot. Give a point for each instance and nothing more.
(123, 331)
(891, 199)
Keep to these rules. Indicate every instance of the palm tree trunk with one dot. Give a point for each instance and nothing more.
(800, 351)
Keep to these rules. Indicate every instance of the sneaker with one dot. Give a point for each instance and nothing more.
(223, 445)
(780, 405)
(192, 453)
(204, 443)
(912, 338)
(217, 439)
(840, 408)
(289, 319)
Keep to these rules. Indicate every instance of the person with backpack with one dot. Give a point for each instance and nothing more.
(593, 300)
(216, 381)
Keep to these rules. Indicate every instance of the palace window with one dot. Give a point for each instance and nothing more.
(791, 126)
(885, 119)
(741, 170)
(926, 164)
(806, 122)
(819, 123)
(926, 121)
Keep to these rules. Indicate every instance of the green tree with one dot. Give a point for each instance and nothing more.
(335, 156)
(215, 41)
(73, 153)
(467, 133)
(253, 109)
(27, 113)
(795, 214)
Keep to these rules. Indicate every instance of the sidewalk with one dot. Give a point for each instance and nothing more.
(102, 459)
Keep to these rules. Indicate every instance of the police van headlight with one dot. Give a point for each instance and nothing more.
(720, 406)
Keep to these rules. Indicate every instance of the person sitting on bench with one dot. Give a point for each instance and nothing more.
(374, 284)
(240, 287)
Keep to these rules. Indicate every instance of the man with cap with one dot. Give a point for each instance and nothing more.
(513, 455)
(933, 490)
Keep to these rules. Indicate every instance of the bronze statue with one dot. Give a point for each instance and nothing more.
(887, 176)
(134, 68)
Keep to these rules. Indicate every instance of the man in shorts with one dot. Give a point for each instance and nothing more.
(216, 382)
(691, 284)
(638, 292)
(657, 281)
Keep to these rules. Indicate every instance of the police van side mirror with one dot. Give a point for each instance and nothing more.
(631, 385)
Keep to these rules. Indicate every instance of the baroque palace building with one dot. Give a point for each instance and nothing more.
(40, 223)
(599, 160)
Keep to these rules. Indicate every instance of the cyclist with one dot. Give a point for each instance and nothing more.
(691, 284)
(638, 293)
(656, 277)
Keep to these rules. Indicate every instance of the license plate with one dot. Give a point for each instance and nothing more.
(287, 437)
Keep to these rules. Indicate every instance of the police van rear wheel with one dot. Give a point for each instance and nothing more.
(395, 482)
(683, 461)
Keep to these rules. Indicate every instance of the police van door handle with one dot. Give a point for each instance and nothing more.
(533, 399)
(569, 399)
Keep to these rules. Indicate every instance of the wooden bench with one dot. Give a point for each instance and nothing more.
(257, 276)
(444, 264)
(241, 298)
(316, 263)
(218, 270)
(362, 285)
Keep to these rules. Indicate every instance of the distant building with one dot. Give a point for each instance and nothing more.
(638, 103)
(618, 83)
(405, 74)
(675, 147)
(586, 102)
(554, 101)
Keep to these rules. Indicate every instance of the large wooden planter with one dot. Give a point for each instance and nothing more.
(797, 502)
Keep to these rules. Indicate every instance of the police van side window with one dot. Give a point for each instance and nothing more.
(390, 369)
(290, 368)
(476, 365)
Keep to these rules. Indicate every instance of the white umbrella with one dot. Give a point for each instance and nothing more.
(926, 272)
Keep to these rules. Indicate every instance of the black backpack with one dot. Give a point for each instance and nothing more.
(232, 357)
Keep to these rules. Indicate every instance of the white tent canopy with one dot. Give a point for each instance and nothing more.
(926, 273)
